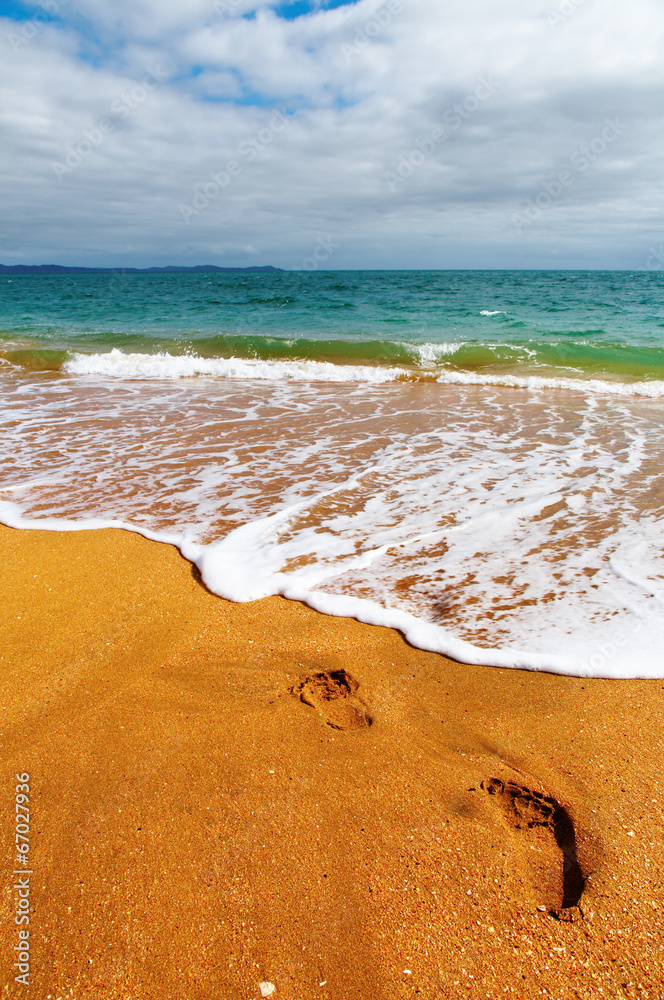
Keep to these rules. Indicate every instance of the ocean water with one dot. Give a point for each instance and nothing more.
(474, 458)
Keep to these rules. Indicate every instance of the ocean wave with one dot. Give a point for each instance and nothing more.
(653, 390)
(118, 365)
(577, 357)
(432, 353)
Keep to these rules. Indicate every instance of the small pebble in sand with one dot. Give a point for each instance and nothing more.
(267, 989)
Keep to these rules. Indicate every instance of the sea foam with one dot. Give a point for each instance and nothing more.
(115, 364)
(509, 529)
(237, 569)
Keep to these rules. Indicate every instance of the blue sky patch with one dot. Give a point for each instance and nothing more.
(298, 8)
(17, 11)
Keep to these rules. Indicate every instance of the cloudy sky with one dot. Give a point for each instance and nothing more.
(381, 133)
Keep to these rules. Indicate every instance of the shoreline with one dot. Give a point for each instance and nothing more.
(229, 794)
(415, 631)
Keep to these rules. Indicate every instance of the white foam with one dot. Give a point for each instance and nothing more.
(652, 390)
(240, 568)
(11, 516)
(519, 532)
(432, 353)
(250, 563)
(492, 312)
(118, 365)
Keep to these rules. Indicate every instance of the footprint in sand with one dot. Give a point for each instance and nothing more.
(557, 876)
(333, 694)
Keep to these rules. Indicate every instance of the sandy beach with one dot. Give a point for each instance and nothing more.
(224, 795)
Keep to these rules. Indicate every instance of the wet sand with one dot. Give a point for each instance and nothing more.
(224, 795)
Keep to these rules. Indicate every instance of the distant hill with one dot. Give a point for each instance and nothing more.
(60, 269)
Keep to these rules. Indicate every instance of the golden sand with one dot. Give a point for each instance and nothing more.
(227, 795)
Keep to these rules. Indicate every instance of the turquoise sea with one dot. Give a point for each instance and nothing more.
(472, 457)
(570, 324)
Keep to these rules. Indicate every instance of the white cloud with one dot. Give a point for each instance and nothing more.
(367, 90)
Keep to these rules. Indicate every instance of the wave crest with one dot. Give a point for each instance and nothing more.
(117, 364)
